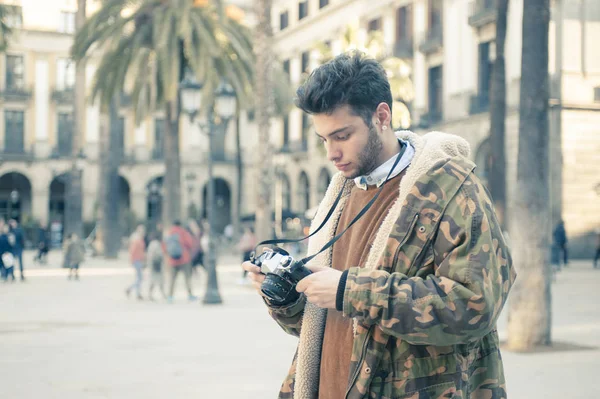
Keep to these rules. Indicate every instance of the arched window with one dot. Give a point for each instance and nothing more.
(303, 192)
(286, 192)
(324, 179)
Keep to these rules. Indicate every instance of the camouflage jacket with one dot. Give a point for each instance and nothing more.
(426, 302)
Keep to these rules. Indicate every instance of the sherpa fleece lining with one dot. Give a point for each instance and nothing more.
(429, 149)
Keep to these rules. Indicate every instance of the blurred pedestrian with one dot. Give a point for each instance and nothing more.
(74, 255)
(560, 240)
(178, 244)
(246, 245)
(155, 260)
(137, 256)
(43, 244)
(18, 244)
(7, 260)
(597, 256)
(197, 252)
(228, 233)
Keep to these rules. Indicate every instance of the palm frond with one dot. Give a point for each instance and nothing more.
(150, 45)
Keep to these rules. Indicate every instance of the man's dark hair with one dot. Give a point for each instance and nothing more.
(349, 79)
(177, 223)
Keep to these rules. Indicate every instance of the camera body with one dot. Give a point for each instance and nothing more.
(282, 274)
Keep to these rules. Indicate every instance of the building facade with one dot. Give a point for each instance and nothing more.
(450, 47)
(36, 129)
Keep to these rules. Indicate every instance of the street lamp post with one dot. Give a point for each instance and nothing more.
(217, 119)
(14, 199)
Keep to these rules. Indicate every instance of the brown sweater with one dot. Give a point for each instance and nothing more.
(350, 250)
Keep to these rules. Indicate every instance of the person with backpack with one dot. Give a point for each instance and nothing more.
(137, 255)
(155, 260)
(178, 245)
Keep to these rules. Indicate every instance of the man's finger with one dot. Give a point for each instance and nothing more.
(316, 268)
(304, 283)
(250, 267)
(259, 278)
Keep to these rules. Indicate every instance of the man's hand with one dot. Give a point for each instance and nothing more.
(321, 286)
(255, 275)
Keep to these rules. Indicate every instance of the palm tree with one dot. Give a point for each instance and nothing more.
(498, 115)
(529, 319)
(6, 31)
(147, 47)
(264, 104)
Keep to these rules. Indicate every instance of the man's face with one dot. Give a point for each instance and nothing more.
(354, 149)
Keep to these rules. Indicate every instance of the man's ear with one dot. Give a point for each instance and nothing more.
(383, 115)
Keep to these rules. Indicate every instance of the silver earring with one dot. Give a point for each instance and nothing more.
(384, 127)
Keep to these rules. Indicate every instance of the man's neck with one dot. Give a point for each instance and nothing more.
(390, 148)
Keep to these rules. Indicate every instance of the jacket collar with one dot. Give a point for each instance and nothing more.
(377, 177)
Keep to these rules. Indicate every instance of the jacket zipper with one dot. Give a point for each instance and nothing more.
(364, 348)
(362, 355)
(408, 231)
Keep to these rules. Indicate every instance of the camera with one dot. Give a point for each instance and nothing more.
(282, 274)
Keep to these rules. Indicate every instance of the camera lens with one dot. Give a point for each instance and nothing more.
(278, 290)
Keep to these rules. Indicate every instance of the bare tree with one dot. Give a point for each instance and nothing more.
(529, 322)
(263, 87)
(498, 115)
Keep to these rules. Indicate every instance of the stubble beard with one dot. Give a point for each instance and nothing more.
(367, 158)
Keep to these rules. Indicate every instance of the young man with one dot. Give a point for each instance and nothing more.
(405, 303)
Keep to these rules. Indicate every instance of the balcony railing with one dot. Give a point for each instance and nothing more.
(16, 94)
(63, 96)
(294, 147)
(479, 103)
(15, 155)
(61, 152)
(482, 13)
(223, 157)
(158, 154)
(432, 41)
(403, 48)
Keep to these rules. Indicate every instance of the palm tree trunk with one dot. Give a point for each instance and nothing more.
(264, 108)
(103, 161)
(240, 171)
(529, 322)
(74, 200)
(112, 201)
(172, 180)
(498, 115)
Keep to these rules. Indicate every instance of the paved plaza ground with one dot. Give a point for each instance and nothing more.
(83, 340)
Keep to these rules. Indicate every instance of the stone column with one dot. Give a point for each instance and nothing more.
(40, 203)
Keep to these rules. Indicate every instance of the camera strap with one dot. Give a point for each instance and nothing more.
(337, 200)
